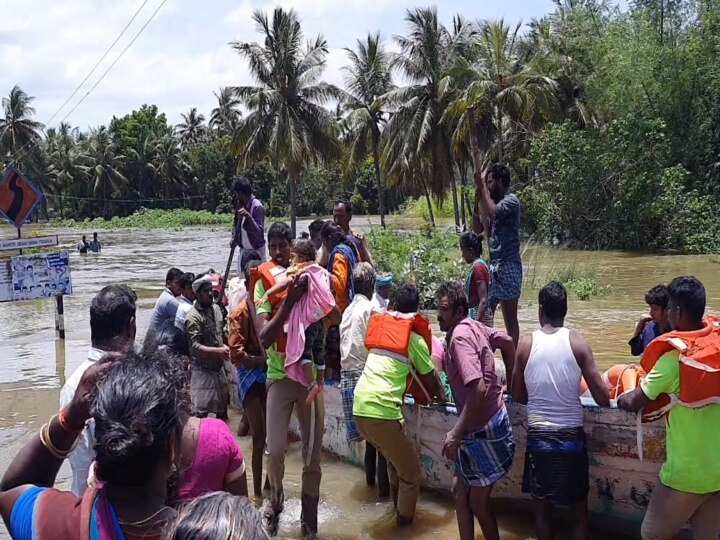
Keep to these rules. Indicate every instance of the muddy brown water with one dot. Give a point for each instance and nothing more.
(34, 364)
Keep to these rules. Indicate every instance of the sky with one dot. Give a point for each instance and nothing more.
(47, 47)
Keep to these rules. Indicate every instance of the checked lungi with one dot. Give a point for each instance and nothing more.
(485, 456)
(556, 465)
(505, 282)
(348, 381)
(247, 377)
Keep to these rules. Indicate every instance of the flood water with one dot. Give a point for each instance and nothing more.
(34, 364)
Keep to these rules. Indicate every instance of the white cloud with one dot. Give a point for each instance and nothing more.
(47, 47)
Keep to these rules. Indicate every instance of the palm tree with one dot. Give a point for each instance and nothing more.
(226, 116)
(18, 130)
(169, 164)
(367, 78)
(287, 121)
(63, 161)
(192, 128)
(415, 127)
(102, 165)
(512, 98)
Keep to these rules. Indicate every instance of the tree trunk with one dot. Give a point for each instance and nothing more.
(463, 182)
(293, 176)
(501, 145)
(62, 210)
(378, 181)
(453, 184)
(429, 203)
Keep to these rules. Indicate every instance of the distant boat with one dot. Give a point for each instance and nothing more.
(620, 485)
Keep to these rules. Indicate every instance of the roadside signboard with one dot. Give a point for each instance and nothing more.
(25, 243)
(40, 275)
(18, 197)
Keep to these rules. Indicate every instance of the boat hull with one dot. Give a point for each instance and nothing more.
(620, 484)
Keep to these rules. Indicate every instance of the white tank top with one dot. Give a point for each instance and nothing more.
(552, 378)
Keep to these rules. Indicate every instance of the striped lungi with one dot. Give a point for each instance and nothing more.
(348, 381)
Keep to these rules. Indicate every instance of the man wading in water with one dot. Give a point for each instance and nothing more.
(285, 394)
(500, 211)
(548, 367)
(481, 443)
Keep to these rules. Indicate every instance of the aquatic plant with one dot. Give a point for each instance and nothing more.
(151, 219)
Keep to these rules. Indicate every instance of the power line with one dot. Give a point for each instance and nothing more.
(94, 86)
(22, 154)
(97, 64)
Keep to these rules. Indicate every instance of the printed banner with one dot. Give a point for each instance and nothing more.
(41, 275)
(25, 243)
(6, 284)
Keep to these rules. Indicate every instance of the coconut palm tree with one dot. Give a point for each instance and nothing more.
(192, 128)
(17, 129)
(367, 78)
(287, 121)
(102, 165)
(415, 127)
(169, 164)
(226, 116)
(501, 85)
(63, 161)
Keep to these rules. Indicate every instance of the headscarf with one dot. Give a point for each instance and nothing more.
(383, 280)
(202, 280)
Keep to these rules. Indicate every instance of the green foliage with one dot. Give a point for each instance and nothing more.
(615, 187)
(426, 261)
(152, 219)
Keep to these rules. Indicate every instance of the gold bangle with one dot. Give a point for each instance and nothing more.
(48, 444)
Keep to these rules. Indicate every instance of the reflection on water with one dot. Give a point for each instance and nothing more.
(35, 363)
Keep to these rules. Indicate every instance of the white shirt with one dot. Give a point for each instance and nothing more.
(352, 333)
(83, 455)
(379, 302)
(184, 307)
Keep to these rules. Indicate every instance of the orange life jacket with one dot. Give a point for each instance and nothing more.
(699, 367)
(268, 273)
(389, 333)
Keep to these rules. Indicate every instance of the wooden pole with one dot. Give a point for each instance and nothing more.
(19, 238)
(59, 317)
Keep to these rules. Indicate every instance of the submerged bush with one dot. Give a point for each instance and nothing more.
(424, 260)
(153, 219)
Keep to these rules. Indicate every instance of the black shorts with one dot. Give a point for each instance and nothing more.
(556, 466)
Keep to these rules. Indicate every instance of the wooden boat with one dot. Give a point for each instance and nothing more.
(620, 483)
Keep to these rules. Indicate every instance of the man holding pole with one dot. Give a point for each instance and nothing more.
(248, 232)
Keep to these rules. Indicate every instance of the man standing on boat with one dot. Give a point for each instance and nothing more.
(548, 367)
(112, 329)
(353, 356)
(379, 394)
(683, 364)
(285, 394)
(250, 218)
(653, 325)
(185, 300)
(342, 215)
(499, 209)
(481, 443)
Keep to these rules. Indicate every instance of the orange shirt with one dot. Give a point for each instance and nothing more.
(242, 337)
(340, 281)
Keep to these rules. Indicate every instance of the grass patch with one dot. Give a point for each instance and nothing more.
(426, 260)
(152, 219)
(582, 282)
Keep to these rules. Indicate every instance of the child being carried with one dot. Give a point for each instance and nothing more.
(306, 326)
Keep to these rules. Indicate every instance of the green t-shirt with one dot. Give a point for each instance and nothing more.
(692, 435)
(275, 360)
(379, 392)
